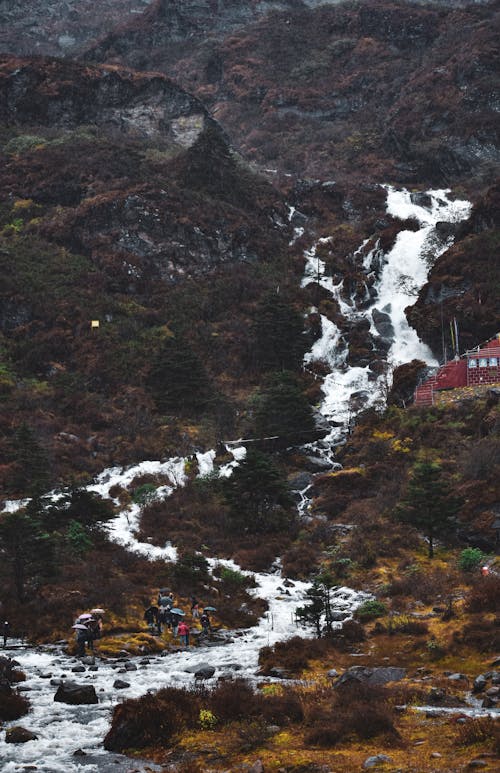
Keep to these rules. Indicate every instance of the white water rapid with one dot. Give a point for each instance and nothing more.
(396, 276)
(62, 729)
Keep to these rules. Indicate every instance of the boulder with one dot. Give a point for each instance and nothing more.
(18, 734)
(378, 675)
(196, 667)
(120, 684)
(76, 694)
(377, 759)
(204, 673)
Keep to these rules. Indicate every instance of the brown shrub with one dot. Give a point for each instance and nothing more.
(351, 710)
(233, 700)
(424, 585)
(484, 595)
(324, 735)
(282, 709)
(153, 719)
(252, 735)
(483, 635)
(292, 655)
(300, 561)
(12, 705)
(478, 730)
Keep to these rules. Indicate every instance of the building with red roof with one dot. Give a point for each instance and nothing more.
(479, 367)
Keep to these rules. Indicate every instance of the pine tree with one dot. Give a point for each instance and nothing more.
(25, 547)
(281, 408)
(177, 379)
(277, 334)
(318, 610)
(258, 496)
(428, 505)
(31, 469)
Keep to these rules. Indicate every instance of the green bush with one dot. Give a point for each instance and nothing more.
(471, 559)
(144, 494)
(371, 609)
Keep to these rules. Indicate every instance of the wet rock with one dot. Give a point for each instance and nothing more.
(204, 673)
(79, 753)
(477, 764)
(379, 675)
(76, 694)
(88, 660)
(332, 673)
(383, 324)
(78, 669)
(257, 767)
(130, 667)
(377, 759)
(120, 684)
(480, 683)
(196, 667)
(457, 677)
(18, 734)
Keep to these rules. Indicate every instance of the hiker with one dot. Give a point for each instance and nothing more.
(183, 631)
(6, 628)
(82, 637)
(95, 628)
(174, 621)
(195, 608)
(205, 623)
(151, 617)
(485, 570)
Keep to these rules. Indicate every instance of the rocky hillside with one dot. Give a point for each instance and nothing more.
(114, 187)
(465, 281)
(385, 90)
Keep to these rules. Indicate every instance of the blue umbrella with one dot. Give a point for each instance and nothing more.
(209, 609)
(176, 611)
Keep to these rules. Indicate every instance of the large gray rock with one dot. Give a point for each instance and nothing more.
(196, 667)
(204, 673)
(76, 694)
(377, 759)
(371, 676)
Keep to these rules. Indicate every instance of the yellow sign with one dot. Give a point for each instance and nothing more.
(94, 323)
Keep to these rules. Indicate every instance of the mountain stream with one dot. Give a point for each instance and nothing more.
(395, 277)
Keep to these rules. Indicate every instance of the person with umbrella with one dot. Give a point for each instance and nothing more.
(6, 628)
(206, 625)
(175, 616)
(82, 637)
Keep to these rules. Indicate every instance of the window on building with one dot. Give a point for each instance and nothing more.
(472, 363)
(493, 362)
(483, 362)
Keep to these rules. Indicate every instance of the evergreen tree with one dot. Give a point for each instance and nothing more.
(281, 408)
(177, 379)
(31, 469)
(25, 547)
(318, 610)
(258, 496)
(84, 507)
(277, 335)
(428, 504)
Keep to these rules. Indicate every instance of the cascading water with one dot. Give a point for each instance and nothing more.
(63, 729)
(395, 279)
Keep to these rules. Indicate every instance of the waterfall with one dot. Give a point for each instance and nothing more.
(395, 279)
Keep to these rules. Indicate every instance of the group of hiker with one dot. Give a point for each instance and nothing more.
(159, 616)
(88, 628)
(165, 615)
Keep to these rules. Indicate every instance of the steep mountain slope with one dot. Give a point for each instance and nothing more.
(117, 192)
(385, 90)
